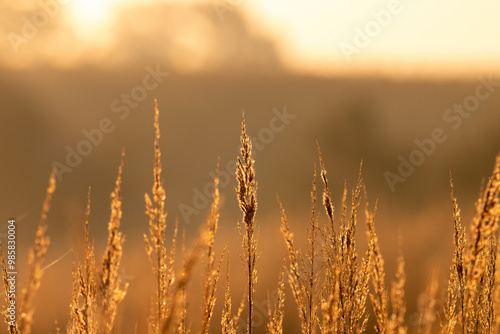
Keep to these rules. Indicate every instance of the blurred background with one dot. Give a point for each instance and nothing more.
(411, 88)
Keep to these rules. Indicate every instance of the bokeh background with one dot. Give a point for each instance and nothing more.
(365, 79)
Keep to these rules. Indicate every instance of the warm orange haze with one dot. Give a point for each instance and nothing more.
(421, 38)
(219, 220)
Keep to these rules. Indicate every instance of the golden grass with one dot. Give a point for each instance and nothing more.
(97, 292)
(303, 276)
(330, 283)
(275, 323)
(212, 272)
(35, 259)
(471, 290)
(83, 317)
(161, 260)
(110, 287)
(247, 199)
(34, 270)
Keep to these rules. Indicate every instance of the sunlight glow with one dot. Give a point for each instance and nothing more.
(321, 37)
(87, 16)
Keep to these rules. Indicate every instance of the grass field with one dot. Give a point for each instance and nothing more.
(331, 279)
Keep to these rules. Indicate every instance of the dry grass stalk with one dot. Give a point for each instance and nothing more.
(471, 288)
(161, 262)
(496, 296)
(182, 316)
(174, 311)
(486, 294)
(178, 298)
(84, 318)
(347, 267)
(110, 286)
(212, 273)
(313, 275)
(76, 323)
(330, 311)
(327, 200)
(456, 282)
(275, 323)
(346, 286)
(295, 272)
(484, 225)
(379, 298)
(353, 281)
(330, 304)
(229, 323)
(482, 253)
(33, 269)
(303, 276)
(427, 306)
(247, 199)
(359, 320)
(168, 304)
(182, 322)
(396, 321)
(385, 323)
(88, 283)
(170, 297)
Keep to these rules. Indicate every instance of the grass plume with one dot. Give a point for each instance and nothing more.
(212, 272)
(471, 287)
(36, 256)
(156, 248)
(110, 286)
(275, 323)
(247, 199)
(396, 320)
(303, 276)
(84, 319)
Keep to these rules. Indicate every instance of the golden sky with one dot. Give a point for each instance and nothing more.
(420, 37)
(408, 33)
